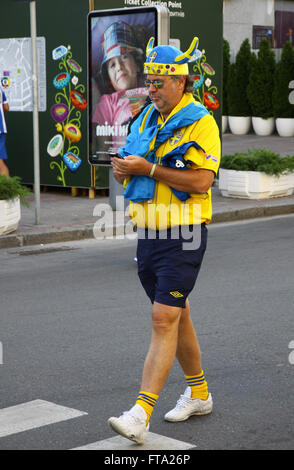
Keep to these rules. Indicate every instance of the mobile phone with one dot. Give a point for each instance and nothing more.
(116, 155)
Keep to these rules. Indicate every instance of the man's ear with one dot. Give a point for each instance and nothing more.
(183, 81)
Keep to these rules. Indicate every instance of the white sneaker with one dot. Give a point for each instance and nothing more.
(131, 424)
(186, 407)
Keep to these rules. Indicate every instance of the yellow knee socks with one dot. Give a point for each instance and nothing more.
(198, 386)
(147, 400)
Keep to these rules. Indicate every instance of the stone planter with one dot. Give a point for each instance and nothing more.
(254, 184)
(9, 215)
(263, 126)
(285, 127)
(224, 124)
(239, 125)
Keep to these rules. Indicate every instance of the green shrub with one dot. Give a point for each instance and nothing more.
(238, 81)
(10, 188)
(261, 81)
(284, 73)
(262, 160)
(226, 67)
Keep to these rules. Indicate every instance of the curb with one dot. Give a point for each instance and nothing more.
(252, 213)
(87, 232)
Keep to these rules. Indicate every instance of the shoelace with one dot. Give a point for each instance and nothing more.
(183, 400)
(133, 419)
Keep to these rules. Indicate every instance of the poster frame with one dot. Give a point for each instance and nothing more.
(162, 34)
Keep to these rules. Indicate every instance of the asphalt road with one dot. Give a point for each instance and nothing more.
(75, 325)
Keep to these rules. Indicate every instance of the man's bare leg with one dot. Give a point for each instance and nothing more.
(199, 401)
(162, 349)
(3, 168)
(188, 350)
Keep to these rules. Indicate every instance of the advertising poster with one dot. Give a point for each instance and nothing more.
(117, 51)
(187, 19)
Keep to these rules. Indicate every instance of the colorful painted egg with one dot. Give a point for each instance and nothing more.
(72, 132)
(78, 100)
(59, 52)
(74, 66)
(198, 81)
(195, 56)
(59, 112)
(72, 161)
(208, 69)
(210, 100)
(61, 80)
(55, 145)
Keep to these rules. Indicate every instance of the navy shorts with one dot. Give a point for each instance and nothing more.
(167, 271)
(3, 153)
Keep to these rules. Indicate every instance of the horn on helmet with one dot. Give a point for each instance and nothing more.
(189, 53)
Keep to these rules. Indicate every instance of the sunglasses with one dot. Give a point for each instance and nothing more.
(155, 83)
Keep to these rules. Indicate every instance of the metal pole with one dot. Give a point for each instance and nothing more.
(35, 112)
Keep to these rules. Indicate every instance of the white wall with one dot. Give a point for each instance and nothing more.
(284, 5)
(241, 15)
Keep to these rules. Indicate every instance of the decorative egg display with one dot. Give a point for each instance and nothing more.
(78, 100)
(59, 112)
(72, 132)
(59, 52)
(196, 56)
(208, 69)
(198, 81)
(74, 66)
(55, 145)
(61, 80)
(72, 161)
(210, 100)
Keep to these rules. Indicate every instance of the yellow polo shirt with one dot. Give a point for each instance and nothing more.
(165, 210)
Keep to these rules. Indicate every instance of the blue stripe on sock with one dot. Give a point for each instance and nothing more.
(193, 381)
(146, 401)
(150, 401)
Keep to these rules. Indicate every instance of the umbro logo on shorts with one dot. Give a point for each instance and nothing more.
(176, 294)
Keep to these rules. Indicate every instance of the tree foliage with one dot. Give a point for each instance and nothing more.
(261, 81)
(284, 73)
(238, 103)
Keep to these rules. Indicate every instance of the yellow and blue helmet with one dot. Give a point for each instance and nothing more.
(168, 60)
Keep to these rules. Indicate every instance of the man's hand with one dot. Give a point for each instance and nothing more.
(130, 165)
(191, 181)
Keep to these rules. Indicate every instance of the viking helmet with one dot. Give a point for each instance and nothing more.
(168, 60)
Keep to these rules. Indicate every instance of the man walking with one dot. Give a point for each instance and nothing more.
(4, 106)
(171, 157)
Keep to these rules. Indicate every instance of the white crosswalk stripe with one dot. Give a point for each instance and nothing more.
(153, 442)
(33, 414)
(37, 413)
